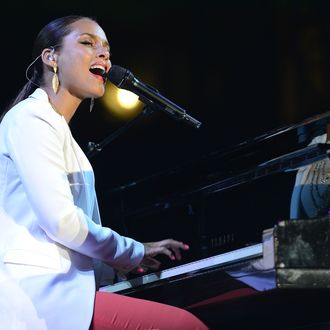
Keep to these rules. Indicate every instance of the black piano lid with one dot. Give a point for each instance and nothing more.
(228, 167)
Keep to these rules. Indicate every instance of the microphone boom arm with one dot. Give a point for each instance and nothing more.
(163, 103)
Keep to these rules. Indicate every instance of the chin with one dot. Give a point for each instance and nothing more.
(98, 93)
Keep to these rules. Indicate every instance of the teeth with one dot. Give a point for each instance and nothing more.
(98, 67)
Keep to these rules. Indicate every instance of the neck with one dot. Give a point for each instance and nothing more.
(64, 104)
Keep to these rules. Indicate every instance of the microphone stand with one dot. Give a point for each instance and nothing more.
(94, 148)
(174, 111)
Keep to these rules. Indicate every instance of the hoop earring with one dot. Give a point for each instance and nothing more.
(91, 105)
(55, 81)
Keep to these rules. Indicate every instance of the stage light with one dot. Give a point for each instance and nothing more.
(120, 103)
(127, 99)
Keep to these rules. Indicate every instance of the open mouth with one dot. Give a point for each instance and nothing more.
(99, 70)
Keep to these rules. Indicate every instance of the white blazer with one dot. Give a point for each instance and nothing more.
(50, 231)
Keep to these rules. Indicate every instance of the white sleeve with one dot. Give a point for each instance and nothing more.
(35, 145)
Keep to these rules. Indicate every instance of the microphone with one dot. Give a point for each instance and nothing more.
(123, 78)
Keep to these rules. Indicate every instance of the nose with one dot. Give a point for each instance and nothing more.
(103, 52)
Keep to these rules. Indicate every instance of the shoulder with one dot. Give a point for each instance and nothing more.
(33, 121)
(32, 112)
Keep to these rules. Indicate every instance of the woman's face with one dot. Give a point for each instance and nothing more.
(84, 60)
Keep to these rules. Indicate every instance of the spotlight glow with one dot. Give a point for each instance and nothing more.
(127, 99)
(120, 103)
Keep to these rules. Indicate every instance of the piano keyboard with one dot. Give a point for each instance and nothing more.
(252, 251)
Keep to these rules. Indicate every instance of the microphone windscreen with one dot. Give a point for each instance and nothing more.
(117, 75)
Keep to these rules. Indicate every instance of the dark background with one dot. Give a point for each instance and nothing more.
(241, 67)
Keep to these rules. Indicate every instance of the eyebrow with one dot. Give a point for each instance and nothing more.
(95, 37)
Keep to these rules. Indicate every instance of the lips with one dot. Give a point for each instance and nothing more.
(99, 71)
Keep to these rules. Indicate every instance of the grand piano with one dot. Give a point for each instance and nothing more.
(230, 207)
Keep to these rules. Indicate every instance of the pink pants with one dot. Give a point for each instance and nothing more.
(114, 311)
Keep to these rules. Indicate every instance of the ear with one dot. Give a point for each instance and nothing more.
(48, 56)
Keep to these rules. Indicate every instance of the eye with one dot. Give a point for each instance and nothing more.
(88, 43)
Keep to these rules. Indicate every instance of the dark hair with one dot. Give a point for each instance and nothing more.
(51, 35)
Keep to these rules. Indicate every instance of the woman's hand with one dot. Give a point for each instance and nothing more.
(168, 247)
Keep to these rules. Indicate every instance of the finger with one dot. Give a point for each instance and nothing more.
(139, 270)
(171, 243)
(164, 250)
(167, 252)
(161, 247)
(177, 253)
(169, 247)
(175, 247)
(177, 250)
(121, 276)
(151, 263)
